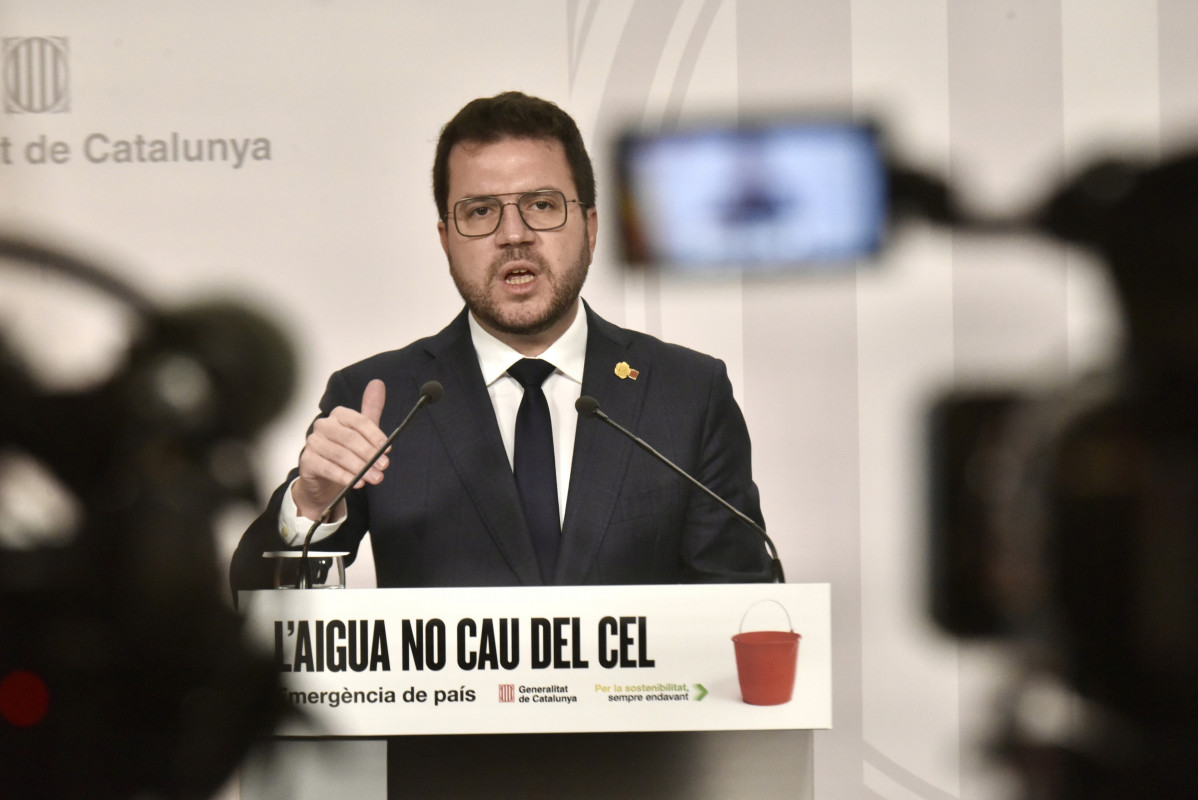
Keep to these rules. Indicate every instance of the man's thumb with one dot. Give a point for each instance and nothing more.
(373, 399)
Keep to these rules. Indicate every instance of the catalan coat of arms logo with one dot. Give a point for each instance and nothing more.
(37, 77)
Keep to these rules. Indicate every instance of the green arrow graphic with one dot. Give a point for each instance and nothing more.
(702, 692)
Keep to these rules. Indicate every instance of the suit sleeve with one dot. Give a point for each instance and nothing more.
(716, 545)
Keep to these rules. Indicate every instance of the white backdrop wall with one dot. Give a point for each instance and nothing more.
(328, 224)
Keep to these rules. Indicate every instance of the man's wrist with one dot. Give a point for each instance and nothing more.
(304, 507)
(294, 525)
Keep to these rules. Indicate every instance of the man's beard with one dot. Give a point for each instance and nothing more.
(566, 284)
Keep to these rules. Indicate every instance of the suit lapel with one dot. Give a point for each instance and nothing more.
(600, 456)
(465, 421)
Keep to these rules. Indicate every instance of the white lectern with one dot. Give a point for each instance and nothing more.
(621, 691)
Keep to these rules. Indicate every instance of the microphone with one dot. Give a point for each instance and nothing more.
(429, 393)
(588, 406)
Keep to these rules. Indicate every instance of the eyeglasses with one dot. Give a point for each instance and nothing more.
(543, 210)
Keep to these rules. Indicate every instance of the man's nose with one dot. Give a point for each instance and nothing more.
(512, 229)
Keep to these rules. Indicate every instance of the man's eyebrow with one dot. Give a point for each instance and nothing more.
(510, 194)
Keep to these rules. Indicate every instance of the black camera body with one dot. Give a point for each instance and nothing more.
(1064, 522)
(123, 668)
(1067, 522)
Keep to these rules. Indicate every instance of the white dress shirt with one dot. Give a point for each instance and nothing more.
(562, 389)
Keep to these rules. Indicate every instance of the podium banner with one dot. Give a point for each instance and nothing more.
(388, 662)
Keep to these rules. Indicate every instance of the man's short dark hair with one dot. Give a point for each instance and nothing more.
(512, 115)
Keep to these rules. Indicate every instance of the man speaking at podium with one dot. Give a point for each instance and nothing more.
(501, 482)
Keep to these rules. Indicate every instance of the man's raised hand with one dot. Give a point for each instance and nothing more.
(338, 447)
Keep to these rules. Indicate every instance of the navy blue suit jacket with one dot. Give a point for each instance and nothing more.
(448, 514)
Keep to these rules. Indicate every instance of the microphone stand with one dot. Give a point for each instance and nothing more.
(589, 406)
(429, 393)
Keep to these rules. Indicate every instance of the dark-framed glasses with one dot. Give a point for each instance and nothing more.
(542, 210)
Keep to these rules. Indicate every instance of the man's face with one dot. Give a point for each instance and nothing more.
(521, 285)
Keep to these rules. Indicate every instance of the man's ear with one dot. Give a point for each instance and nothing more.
(443, 232)
(592, 227)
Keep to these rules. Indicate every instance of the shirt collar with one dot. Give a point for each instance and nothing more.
(567, 354)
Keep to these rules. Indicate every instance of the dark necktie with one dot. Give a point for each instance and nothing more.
(536, 477)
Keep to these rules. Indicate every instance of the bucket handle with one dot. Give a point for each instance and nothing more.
(789, 624)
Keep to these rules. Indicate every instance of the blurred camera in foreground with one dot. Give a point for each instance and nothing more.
(123, 671)
(1064, 522)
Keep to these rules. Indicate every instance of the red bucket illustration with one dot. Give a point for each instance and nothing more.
(766, 661)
